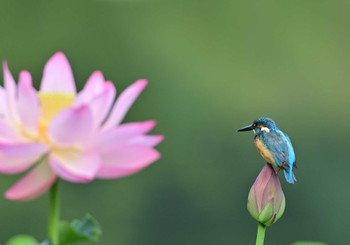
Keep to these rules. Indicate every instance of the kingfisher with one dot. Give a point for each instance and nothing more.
(274, 146)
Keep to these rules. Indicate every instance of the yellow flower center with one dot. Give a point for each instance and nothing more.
(51, 104)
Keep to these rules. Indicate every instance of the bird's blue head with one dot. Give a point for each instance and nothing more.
(261, 124)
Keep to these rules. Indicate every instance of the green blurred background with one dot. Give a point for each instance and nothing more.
(213, 66)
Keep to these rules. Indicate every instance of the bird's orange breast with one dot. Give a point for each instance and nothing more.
(264, 152)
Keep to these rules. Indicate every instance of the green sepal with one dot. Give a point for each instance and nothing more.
(282, 208)
(266, 216)
(22, 240)
(308, 243)
(86, 229)
(251, 205)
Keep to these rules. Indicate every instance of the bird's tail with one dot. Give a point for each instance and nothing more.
(289, 175)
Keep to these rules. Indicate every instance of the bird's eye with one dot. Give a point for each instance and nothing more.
(254, 125)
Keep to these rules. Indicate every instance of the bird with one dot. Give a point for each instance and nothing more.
(274, 146)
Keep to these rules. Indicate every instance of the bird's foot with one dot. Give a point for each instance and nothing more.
(278, 171)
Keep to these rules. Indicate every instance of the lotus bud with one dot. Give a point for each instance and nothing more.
(266, 202)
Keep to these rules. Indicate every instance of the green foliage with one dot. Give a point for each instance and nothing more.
(22, 240)
(308, 243)
(86, 229)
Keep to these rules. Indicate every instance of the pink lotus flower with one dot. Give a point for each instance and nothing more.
(57, 132)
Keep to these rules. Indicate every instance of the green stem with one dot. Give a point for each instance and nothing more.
(260, 236)
(54, 214)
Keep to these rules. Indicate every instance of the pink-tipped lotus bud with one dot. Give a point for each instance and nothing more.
(266, 200)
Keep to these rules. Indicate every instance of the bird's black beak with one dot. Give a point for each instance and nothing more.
(246, 128)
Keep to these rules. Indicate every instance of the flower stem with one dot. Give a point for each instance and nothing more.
(54, 213)
(260, 236)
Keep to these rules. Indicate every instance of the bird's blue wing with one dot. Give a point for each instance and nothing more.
(286, 135)
(280, 147)
(290, 142)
